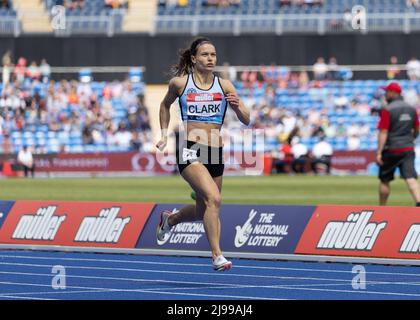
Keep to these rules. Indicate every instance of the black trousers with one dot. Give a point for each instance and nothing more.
(26, 170)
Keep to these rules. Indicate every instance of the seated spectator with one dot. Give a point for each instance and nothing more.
(74, 4)
(285, 3)
(312, 3)
(211, 2)
(26, 160)
(393, 71)
(413, 69)
(33, 71)
(333, 73)
(123, 137)
(116, 4)
(413, 4)
(320, 69)
(283, 158)
(45, 70)
(7, 66)
(20, 70)
(321, 157)
(182, 3)
(300, 155)
(136, 141)
(4, 4)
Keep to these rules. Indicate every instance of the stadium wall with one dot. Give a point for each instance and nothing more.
(159, 52)
(373, 234)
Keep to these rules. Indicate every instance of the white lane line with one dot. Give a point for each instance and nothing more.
(113, 290)
(236, 266)
(24, 298)
(211, 284)
(122, 279)
(159, 291)
(228, 274)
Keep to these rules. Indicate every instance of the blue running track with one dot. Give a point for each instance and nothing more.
(30, 275)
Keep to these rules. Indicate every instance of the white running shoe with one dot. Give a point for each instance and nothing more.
(221, 264)
(163, 228)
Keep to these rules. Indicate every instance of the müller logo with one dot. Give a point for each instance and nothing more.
(411, 243)
(356, 233)
(107, 228)
(41, 226)
(204, 97)
(201, 97)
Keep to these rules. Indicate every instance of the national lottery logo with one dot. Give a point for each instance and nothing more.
(191, 90)
(186, 233)
(261, 233)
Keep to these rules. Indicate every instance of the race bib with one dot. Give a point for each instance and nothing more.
(189, 154)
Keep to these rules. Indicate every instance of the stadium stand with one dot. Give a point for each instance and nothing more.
(32, 16)
(71, 116)
(8, 17)
(93, 16)
(344, 112)
(262, 16)
(74, 116)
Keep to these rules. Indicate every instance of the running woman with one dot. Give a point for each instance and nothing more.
(203, 100)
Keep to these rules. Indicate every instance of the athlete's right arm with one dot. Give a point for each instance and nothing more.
(164, 113)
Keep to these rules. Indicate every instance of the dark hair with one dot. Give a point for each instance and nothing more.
(185, 64)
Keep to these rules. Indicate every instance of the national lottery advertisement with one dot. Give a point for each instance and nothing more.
(245, 228)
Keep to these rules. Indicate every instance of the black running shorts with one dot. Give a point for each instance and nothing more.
(211, 157)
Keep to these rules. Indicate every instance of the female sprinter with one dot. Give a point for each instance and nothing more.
(203, 99)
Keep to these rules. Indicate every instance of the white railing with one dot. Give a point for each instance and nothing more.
(284, 23)
(98, 24)
(10, 25)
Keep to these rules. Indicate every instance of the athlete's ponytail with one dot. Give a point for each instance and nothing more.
(185, 64)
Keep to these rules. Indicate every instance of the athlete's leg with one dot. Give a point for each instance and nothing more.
(414, 188)
(218, 181)
(186, 214)
(193, 212)
(384, 191)
(207, 190)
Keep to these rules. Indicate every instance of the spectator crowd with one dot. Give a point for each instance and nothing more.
(113, 115)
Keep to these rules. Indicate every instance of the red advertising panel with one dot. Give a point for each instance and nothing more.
(352, 161)
(85, 224)
(148, 163)
(105, 162)
(366, 231)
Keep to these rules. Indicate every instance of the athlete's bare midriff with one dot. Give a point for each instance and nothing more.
(204, 133)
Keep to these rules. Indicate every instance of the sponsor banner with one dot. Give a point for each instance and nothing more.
(105, 162)
(245, 228)
(366, 231)
(353, 161)
(184, 236)
(145, 163)
(5, 207)
(85, 224)
(264, 229)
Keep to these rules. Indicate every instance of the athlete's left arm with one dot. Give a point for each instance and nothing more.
(237, 105)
